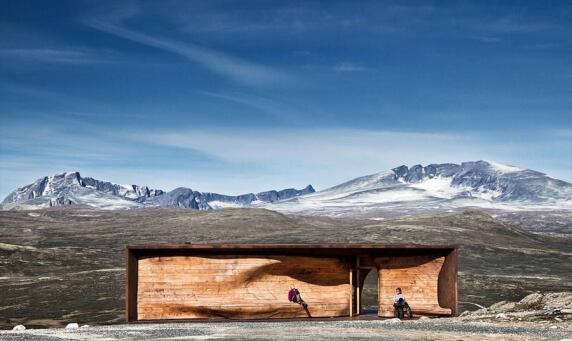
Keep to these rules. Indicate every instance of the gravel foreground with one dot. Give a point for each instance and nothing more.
(434, 329)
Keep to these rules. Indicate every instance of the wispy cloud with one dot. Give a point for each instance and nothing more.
(234, 68)
(59, 56)
(328, 156)
(280, 111)
(323, 157)
(350, 67)
(488, 39)
(514, 23)
(541, 46)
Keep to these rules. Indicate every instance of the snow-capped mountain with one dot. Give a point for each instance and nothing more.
(71, 188)
(446, 186)
(399, 191)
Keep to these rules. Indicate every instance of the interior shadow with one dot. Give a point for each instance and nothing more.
(369, 293)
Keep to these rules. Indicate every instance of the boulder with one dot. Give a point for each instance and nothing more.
(19, 327)
(531, 302)
(501, 316)
(503, 307)
(550, 301)
(72, 326)
(482, 311)
(558, 300)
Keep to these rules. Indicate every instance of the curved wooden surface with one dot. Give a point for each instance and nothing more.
(180, 287)
(418, 278)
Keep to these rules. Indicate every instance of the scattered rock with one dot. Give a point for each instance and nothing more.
(531, 302)
(503, 307)
(393, 320)
(465, 313)
(481, 311)
(424, 318)
(553, 327)
(558, 319)
(85, 326)
(550, 301)
(557, 300)
(72, 326)
(501, 316)
(19, 327)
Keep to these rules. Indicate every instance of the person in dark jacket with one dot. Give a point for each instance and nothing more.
(400, 305)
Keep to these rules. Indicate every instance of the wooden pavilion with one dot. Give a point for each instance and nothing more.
(236, 281)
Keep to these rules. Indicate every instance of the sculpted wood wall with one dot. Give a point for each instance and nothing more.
(418, 277)
(174, 287)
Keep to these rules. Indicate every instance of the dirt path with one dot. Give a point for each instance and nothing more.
(442, 329)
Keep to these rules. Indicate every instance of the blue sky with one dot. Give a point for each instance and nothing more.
(235, 97)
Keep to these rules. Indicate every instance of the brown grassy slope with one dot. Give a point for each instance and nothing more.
(66, 264)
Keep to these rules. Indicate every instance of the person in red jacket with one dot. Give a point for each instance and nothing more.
(294, 296)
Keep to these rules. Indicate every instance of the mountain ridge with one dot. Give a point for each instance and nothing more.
(69, 188)
(443, 186)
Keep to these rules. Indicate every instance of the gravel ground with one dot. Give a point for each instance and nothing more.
(438, 329)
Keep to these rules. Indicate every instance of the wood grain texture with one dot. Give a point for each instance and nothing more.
(418, 277)
(183, 287)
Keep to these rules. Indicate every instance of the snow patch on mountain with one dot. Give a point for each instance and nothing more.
(499, 167)
(438, 187)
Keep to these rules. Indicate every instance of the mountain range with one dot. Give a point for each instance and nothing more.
(417, 188)
(70, 188)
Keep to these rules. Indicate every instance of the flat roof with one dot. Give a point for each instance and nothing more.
(361, 246)
(289, 248)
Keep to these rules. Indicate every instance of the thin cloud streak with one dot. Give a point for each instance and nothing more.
(59, 56)
(234, 68)
(316, 147)
(267, 106)
(350, 67)
(326, 157)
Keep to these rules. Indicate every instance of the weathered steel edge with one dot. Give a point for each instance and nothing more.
(285, 246)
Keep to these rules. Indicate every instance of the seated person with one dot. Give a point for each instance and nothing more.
(400, 305)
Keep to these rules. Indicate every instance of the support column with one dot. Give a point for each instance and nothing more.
(358, 306)
(351, 292)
